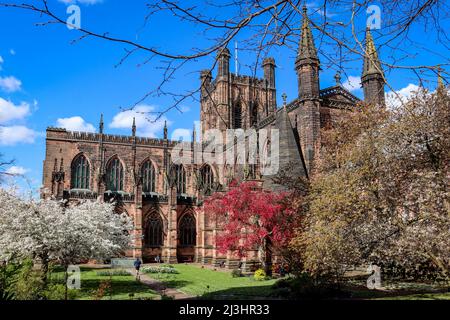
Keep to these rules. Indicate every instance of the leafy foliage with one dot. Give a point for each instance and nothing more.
(252, 218)
(380, 191)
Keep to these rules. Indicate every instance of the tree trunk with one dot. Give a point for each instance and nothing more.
(44, 267)
(66, 277)
(265, 257)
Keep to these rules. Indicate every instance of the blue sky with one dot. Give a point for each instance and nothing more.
(46, 80)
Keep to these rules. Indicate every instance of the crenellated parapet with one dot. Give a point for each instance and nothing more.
(63, 134)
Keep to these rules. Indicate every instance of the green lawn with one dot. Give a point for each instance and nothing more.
(121, 286)
(207, 283)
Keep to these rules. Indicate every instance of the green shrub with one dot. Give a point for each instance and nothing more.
(108, 273)
(57, 292)
(236, 273)
(260, 275)
(29, 285)
(159, 270)
(8, 279)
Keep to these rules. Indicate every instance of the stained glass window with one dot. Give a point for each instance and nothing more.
(114, 171)
(187, 230)
(207, 178)
(80, 173)
(154, 230)
(148, 177)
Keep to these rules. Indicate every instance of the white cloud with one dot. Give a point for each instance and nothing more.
(10, 84)
(400, 96)
(1, 62)
(9, 111)
(352, 84)
(12, 52)
(16, 170)
(146, 124)
(75, 124)
(16, 134)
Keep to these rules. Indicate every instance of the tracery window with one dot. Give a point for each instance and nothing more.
(207, 179)
(80, 171)
(154, 230)
(148, 175)
(187, 230)
(115, 175)
(180, 178)
(237, 116)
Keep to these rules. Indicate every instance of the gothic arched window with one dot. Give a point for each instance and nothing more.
(80, 173)
(237, 116)
(254, 114)
(207, 178)
(148, 176)
(187, 230)
(180, 178)
(153, 230)
(114, 175)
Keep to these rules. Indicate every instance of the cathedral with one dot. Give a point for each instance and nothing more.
(165, 199)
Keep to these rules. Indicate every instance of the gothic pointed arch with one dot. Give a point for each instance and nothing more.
(153, 229)
(187, 230)
(178, 176)
(148, 175)
(253, 114)
(114, 174)
(206, 179)
(80, 172)
(237, 115)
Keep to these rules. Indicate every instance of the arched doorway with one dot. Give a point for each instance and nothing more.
(187, 238)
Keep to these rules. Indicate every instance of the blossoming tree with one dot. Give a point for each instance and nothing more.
(252, 218)
(51, 230)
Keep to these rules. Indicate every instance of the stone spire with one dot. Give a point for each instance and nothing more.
(165, 129)
(194, 134)
(100, 126)
(306, 49)
(372, 77)
(307, 63)
(133, 127)
(372, 63)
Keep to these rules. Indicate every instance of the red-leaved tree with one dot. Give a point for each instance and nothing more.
(252, 219)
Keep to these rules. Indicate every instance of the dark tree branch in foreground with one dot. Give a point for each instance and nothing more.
(262, 26)
(4, 165)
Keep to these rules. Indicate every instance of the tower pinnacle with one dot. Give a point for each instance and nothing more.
(133, 127)
(307, 49)
(372, 77)
(101, 124)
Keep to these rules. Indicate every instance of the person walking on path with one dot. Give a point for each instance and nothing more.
(137, 266)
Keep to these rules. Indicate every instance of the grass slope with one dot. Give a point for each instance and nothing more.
(213, 284)
(121, 286)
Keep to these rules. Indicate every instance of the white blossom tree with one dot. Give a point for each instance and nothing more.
(51, 230)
